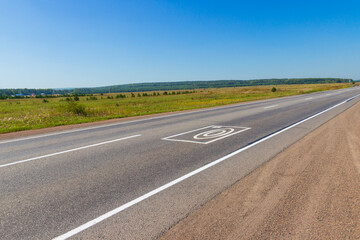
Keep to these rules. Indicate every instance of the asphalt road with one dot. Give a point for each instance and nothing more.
(134, 180)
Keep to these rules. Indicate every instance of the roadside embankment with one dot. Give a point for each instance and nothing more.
(309, 191)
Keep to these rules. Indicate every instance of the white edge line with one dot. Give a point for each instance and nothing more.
(159, 117)
(180, 179)
(67, 151)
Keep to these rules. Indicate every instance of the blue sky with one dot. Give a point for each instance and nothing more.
(71, 43)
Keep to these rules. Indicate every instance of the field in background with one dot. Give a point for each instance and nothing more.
(34, 113)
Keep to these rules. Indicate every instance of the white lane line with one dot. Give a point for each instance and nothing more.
(272, 106)
(309, 98)
(152, 118)
(186, 176)
(67, 151)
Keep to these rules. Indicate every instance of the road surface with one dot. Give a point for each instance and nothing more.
(136, 179)
(308, 191)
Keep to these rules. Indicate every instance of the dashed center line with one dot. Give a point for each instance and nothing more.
(272, 106)
(67, 151)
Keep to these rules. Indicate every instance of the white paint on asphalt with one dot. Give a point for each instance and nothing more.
(186, 176)
(214, 133)
(272, 106)
(309, 98)
(67, 151)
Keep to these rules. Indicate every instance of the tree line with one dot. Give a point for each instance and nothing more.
(165, 86)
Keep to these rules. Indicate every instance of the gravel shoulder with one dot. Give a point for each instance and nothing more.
(309, 191)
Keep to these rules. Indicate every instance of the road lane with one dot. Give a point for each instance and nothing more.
(59, 194)
(188, 175)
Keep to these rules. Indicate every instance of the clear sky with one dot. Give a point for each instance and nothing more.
(73, 43)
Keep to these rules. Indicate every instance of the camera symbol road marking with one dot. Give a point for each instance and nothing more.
(207, 134)
(214, 133)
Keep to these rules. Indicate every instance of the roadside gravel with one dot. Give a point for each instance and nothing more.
(309, 191)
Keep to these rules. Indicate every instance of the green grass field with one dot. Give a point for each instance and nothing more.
(34, 113)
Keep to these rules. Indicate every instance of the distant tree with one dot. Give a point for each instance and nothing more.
(121, 96)
(92, 98)
(273, 89)
(165, 86)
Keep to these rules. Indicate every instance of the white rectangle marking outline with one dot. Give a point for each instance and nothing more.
(184, 177)
(179, 140)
